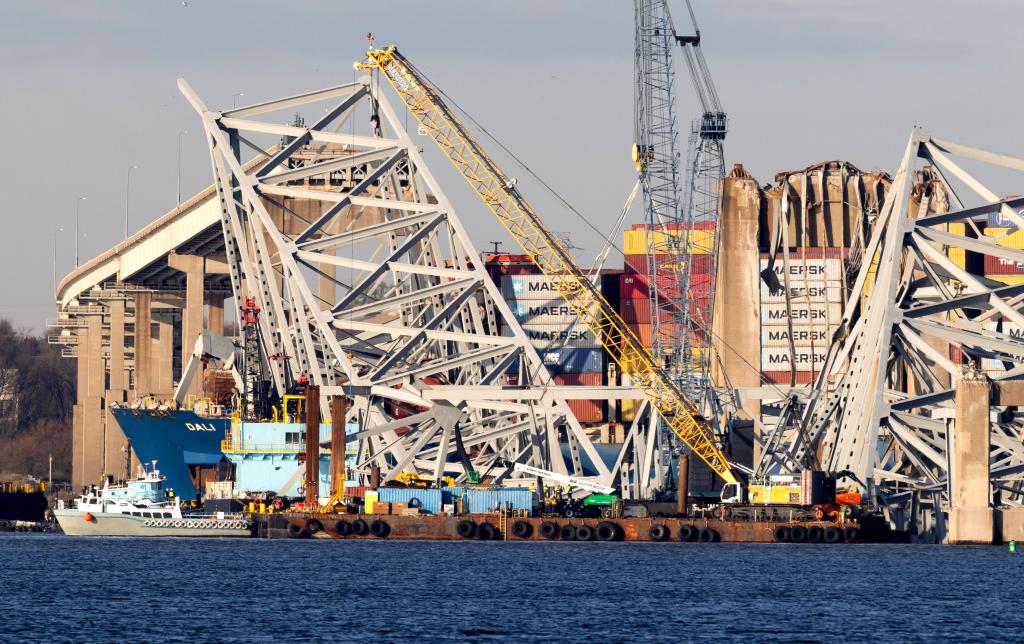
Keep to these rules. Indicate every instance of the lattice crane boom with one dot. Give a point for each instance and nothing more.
(499, 194)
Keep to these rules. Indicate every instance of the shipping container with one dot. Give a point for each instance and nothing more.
(634, 287)
(813, 271)
(955, 354)
(803, 336)
(428, 499)
(1009, 280)
(550, 336)
(1001, 266)
(1009, 237)
(697, 225)
(997, 219)
(639, 311)
(587, 411)
(642, 242)
(806, 313)
(573, 361)
(550, 312)
(784, 377)
(637, 264)
(813, 252)
(491, 500)
(799, 293)
(644, 333)
(503, 259)
(528, 287)
(591, 379)
(568, 360)
(805, 358)
(628, 410)
(957, 255)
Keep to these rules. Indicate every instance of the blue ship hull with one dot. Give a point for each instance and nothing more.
(175, 440)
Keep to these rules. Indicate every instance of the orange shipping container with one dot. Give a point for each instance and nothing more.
(783, 377)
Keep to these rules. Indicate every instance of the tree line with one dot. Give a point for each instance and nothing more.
(37, 396)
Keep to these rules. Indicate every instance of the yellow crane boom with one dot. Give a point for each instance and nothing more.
(499, 194)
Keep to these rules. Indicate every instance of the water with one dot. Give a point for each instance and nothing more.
(62, 589)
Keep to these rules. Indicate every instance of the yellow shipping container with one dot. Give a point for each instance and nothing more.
(636, 242)
(628, 409)
(958, 255)
(1015, 239)
(369, 500)
(1010, 280)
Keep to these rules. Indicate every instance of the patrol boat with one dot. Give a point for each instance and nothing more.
(140, 508)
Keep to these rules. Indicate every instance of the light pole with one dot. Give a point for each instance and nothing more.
(78, 212)
(56, 230)
(234, 99)
(127, 193)
(179, 165)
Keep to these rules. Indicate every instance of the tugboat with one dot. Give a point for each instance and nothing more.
(140, 508)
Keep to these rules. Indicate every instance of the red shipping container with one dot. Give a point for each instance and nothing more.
(783, 377)
(587, 411)
(591, 379)
(1000, 266)
(634, 287)
(639, 312)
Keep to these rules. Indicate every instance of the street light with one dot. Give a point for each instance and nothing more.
(127, 193)
(56, 230)
(78, 212)
(179, 165)
(234, 99)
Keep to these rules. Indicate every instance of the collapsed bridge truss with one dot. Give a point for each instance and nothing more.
(921, 314)
(377, 292)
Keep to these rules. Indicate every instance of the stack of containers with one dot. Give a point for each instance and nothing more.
(570, 351)
(640, 242)
(1006, 271)
(643, 241)
(816, 294)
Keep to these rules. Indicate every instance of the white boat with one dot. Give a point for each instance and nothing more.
(141, 508)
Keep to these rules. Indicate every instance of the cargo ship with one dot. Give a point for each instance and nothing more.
(187, 445)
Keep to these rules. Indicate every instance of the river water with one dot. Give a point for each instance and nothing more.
(64, 589)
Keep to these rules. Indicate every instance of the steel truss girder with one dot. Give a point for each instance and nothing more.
(379, 293)
(882, 403)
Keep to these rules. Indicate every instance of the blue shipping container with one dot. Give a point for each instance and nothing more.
(997, 219)
(429, 499)
(483, 501)
(568, 360)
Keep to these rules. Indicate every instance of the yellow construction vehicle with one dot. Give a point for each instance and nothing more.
(412, 479)
(499, 194)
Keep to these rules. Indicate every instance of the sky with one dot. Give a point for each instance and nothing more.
(89, 89)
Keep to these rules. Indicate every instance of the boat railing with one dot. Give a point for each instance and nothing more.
(230, 446)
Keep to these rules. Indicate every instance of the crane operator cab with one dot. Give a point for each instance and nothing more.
(733, 493)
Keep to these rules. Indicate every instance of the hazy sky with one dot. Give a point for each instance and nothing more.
(89, 89)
